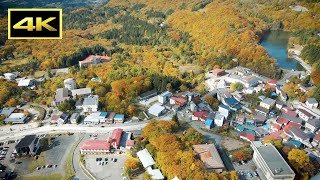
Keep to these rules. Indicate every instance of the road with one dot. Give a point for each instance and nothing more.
(303, 64)
(76, 161)
(71, 128)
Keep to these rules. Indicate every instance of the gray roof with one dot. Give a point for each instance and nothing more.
(312, 101)
(268, 101)
(262, 109)
(299, 133)
(91, 100)
(82, 91)
(291, 118)
(259, 118)
(61, 92)
(305, 112)
(75, 116)
(166, 93)
(273, 159)
(16, 118)
(314, 122)
(7, 111)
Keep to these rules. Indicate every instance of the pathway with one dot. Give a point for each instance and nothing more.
(76, 161)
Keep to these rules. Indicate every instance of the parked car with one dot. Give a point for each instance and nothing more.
(250, 174)
(255, 173)
(115, 160)
(102, 163)
(49, 166)
(97, 159)
(55, 166)
(106, 159)
(38, 168)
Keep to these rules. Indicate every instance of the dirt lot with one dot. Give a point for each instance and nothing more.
(232, 144)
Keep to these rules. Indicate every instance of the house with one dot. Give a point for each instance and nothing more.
(189, 95)
(103, 117)
(179, 101)
(148, 94)
(62, 94)
(7, 111)
(302, 88)
(74, 119)
(250, 81)
(239, 128)
(316, 139)
(63, 118)
(238, 96)
(279, 104)
(232, 103)
(82, 92)
(217, 72)
(247, 136)
(16, 118)
(78, 104)
(313, 125)
(291, 118)
(116, 138)
(70, 84)
(218, 120)
(129, 143)
(209, 123)
(259, 119)
(90, 104)
(28, 145)
(222, 94)
(26, 82)
(299, 135)
(262, 110)
(304, 114)
(148, 163)
(10, 76)
(268, 103)
(118, 118)
(156, 110)
(93, 118)
(199, 115)
(210, 156)
(270, 163)
(275, 127)
(240, 118)
(54, 119)
(94, 146)
(94, 60)
(110, 117)
(224, 110)
(272, 82)
(312, 103)
(283, 96)
(164, 97)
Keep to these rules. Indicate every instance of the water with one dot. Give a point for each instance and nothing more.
(276, 43)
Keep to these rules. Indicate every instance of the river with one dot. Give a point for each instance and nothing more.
(276, 43)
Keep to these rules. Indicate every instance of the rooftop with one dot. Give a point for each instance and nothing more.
(92, 58)
(314, 122)
(103, 114)
(291, 118)
(81, 91)
(209, 155)
(156, 109)
(145, 158)
(148, 93)
(268, 101)
(26, 141)
(312, 101)
(305, 112)
(116, 135)
(61, 93)
(166, 93)
(7, 111)
(91, 100)
(93, 144)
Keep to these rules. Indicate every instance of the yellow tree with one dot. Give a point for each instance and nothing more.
(298, 158)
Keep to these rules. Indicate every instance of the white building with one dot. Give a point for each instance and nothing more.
(156, 110)
(312, 103)
(26, 82)
(224, 110)
(304, 114)
(164, 97)
(93, 118)
(90, 103)
(313, 125)
(70, 84)
(9, 76)
(268, 103)
(218, 120)
(148, 163)
(83, 92)
(74, 119)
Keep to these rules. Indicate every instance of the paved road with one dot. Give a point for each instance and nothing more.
(72, 128)
(303, 63)
(76, 159)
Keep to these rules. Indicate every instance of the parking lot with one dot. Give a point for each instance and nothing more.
(103, 168)
(246, 171)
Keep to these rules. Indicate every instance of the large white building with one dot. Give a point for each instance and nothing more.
(148, 163)
(270, 164)
(164, 97)
(70, 84)
(90, 103)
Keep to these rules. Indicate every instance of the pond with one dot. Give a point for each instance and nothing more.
(276, 43)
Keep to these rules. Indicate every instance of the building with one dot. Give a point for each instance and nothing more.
(28, 145)
(63, 118)
(259, 119)
(313, 125)
(272, 82)
(247, 136)
(262, 110)
(178, 101)
(103, 117)
(250, 81)
(10, 76)
(312, 103)
(116, 138)
(224, 110)
(268, 103)
(118, 118)
(110, 117)
(156, 110)
(74, 119)
(148, 94)
(93, 118)
(70, 84)
(240, 118)
(91, 146)
(199, 115)
(304, 114)
(163, 98)
(279, 104)
(16, 118)
(210, 156)
(232, 103)
(94, 60)
(209, 123)
(26, 82)
(217, 72)
(297, 134)
(7, 111)
(62, 94)
(54, 119)
(148, 163)
(218, 120)
(82, 92)
(90, 103)
(270, 164)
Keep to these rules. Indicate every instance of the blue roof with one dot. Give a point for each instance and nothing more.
(273, 94)
(232, 102)
(295, 143)
(119, 116)
(240, 127)
(249, 131)
(224, 106)
(266, 126)
(104, 114)
(75, 178)
(209, 122)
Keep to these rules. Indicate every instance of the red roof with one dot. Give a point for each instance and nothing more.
(95, 145)
(200, 114)
(55, 117)
(179, 100)
(248, 136)
(217, 71)
(130, 142)
(273, 136)
(276, 126)
(291, 113)
(116, 136)
(317, 137)
(286, 108)
(282, 121)
(291, 125)
(90, 58)
(272, 82)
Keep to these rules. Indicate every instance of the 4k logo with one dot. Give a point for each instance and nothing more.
(34, 24)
